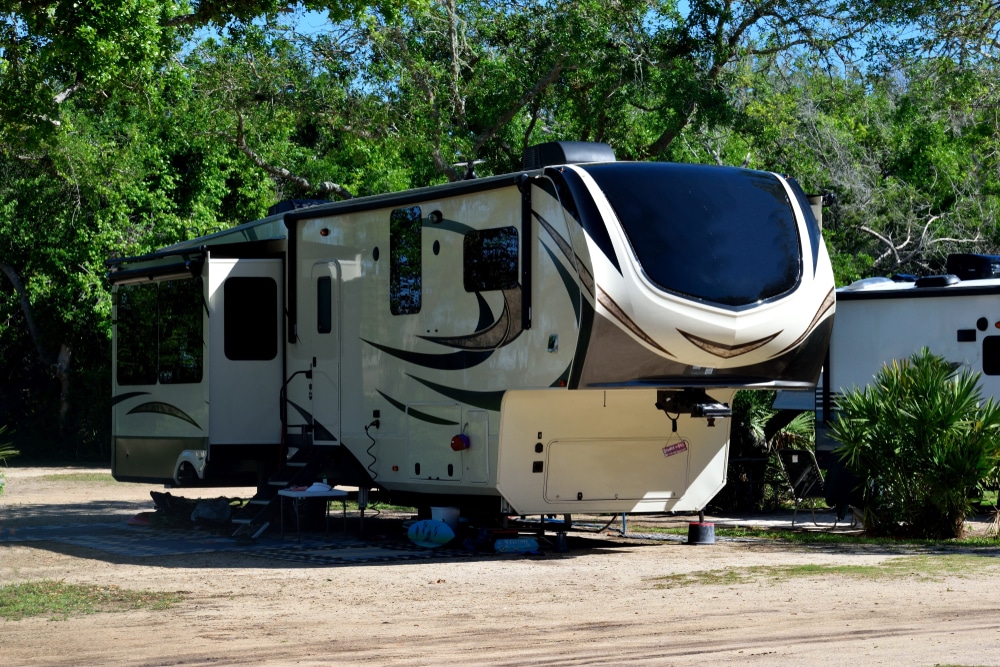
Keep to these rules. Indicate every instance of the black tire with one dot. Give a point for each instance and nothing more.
(187, 475)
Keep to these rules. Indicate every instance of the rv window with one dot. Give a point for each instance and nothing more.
(159, 333)
(324, 305)
(991, 355)
(180, 327)
(250, 320)
(722, 235)
(405, 261)
(136, 334)
(490, 259)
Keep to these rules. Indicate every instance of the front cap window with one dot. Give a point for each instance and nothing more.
(717, 234)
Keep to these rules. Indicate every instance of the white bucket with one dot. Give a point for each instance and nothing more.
(447, 514)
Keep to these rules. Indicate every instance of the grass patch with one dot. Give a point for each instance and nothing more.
(386, 507)
(89, 477)
(352, 506)
(59, 600)
(822, 537)
(910, 567)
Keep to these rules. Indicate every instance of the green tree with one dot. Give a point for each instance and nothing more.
(122, 181)
(921, 439)
(910, 154)
(53, 50)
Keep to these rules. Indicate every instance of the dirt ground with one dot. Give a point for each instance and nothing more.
(605, 603)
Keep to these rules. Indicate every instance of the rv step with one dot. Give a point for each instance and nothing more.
(260, 511)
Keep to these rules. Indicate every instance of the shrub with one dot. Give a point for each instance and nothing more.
(920, 439)
(754, 481)
(5, 451)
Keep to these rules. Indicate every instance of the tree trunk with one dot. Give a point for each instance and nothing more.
(59, 366)
(61, 370)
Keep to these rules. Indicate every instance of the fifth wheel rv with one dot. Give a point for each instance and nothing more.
(562, 339)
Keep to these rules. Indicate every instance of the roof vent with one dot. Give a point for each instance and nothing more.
(566, 152)
(937, 281)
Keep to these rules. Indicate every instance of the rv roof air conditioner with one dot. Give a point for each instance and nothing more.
(566, 152)
(971, 267)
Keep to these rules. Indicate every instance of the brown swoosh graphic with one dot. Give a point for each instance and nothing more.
(727, 351)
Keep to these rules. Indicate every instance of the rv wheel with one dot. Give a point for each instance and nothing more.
(186, 474)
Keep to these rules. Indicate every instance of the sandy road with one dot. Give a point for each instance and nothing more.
(609, 603)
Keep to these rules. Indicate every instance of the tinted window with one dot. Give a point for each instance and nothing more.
(405, 261)
(722, 235)
(490, 259)
(136, 334)
(250, 320)
(991, 355)
(180, 325)
(159, 333)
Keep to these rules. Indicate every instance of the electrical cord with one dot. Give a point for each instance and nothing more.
(368, 451)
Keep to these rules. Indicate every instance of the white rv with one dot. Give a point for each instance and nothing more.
(563, 339)
(956, 316)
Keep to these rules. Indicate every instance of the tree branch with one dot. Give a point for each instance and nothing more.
(664, 140)
(326, 187)
(893, 250)
(182, 20)
(69, 92)
(444, 167)
(22, 294)
(521, 102)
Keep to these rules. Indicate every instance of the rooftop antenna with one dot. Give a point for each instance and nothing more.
(470, 168)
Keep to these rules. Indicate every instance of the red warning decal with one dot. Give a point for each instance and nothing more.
(675, 448)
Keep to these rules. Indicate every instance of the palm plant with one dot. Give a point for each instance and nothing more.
(5, 451)
(758, 429)
(921, 439)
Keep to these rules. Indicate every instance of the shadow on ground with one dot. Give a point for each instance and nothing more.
(100, 530)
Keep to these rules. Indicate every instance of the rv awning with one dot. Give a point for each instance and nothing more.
(184, 269)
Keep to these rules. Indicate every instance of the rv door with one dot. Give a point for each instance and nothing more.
(246, 354)
(323, 338)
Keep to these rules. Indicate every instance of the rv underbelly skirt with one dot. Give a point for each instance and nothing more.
(150, 459)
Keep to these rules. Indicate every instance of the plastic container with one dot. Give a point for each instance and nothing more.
(449, 515)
